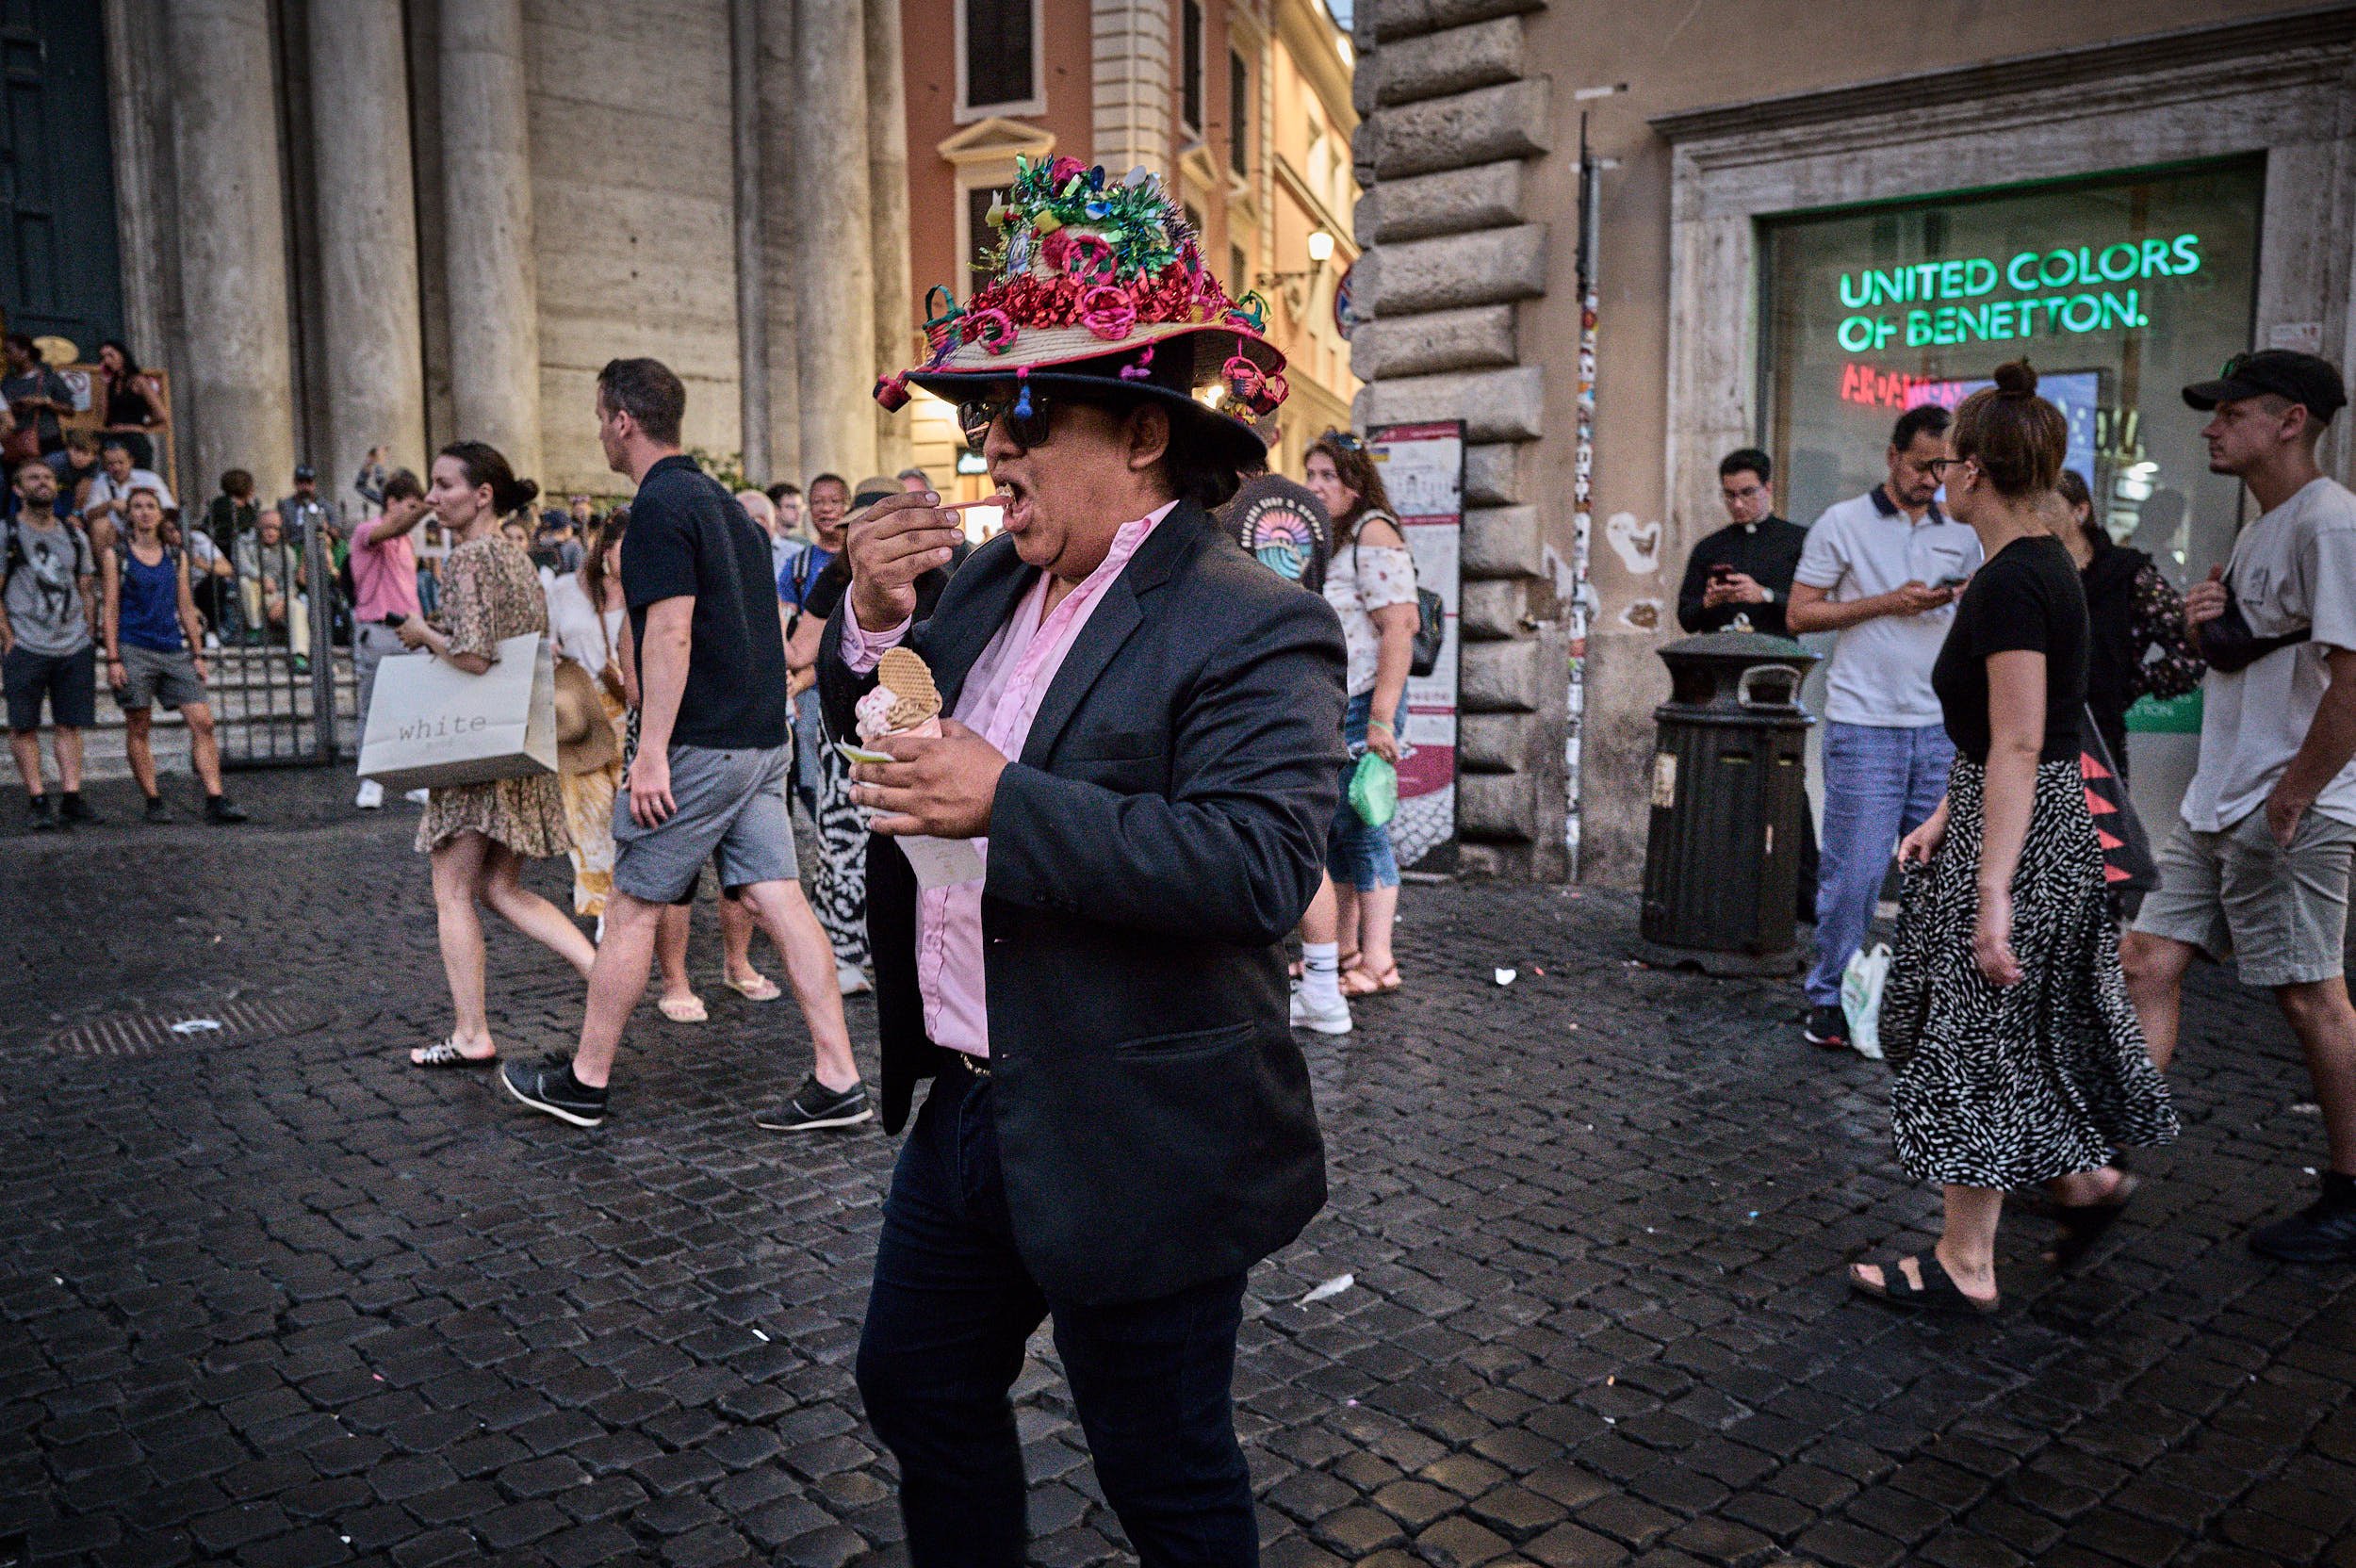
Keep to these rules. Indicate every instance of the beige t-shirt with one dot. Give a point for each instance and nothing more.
(2294, 566)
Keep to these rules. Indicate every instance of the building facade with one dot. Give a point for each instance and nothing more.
(1804, 225)
(336, 223)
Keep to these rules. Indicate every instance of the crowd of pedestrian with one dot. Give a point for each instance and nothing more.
(1989, 638)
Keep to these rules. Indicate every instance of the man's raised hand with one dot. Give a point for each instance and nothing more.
(892, 544)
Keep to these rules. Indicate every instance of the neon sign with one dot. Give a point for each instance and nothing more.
(2065, 291)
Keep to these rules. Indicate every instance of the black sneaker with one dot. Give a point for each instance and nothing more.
(74, 808)
(156, 810)
(42, 815)
(1827, 1028)
(221, 810)
(815, 1106)
(2324, 1232)
(548, 1084)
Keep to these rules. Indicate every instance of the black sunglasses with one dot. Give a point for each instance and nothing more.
(1028, 415)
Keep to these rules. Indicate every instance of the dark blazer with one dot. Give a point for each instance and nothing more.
(1161, 833)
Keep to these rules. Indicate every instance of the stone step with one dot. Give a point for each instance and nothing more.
(256, 696)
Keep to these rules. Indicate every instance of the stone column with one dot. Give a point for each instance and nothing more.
(236, 398)
(752, 273)
(779, 297)
(494, 280)
(888, 218)
(368, 237)
(834, 276)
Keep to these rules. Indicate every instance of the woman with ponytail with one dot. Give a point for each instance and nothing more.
(479, 835)
(2021, 1062)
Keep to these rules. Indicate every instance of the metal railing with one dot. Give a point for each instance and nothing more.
(282, 680)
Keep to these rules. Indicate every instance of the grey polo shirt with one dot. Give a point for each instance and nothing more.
(1881, 668)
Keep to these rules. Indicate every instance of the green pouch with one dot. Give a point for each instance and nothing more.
(1374, 789)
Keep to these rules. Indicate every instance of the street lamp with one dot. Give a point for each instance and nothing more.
(1296, 283)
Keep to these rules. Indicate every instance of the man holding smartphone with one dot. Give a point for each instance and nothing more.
(1882, 571)
(1744, 571)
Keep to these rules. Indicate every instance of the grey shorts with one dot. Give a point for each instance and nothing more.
(150, 678)
(732, 811)
(2281, 915)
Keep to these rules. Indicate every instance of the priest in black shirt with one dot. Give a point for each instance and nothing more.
(1744, 568)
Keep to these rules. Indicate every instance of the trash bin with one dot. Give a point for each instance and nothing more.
(1729, 798)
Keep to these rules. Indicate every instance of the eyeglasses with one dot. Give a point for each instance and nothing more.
(1937, 467)
(2234, 366)
(1028, 415)
(1344, 439)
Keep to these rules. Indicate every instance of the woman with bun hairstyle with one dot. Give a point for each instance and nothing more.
(479, 835)
(2021, 1061)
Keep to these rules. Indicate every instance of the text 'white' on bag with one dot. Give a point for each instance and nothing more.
(432, 726)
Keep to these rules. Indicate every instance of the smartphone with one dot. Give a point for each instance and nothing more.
(1951, 582)
(1721, 572)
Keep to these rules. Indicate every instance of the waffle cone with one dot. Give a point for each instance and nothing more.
(910, 680)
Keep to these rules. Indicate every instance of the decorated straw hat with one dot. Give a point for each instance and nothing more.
(1097, 282)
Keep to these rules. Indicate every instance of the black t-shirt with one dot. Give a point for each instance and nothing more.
(1284, 526)
(688, 536)
(2027, 600)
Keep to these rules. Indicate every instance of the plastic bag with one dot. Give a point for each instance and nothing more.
(1861, 998)
(1374, 789)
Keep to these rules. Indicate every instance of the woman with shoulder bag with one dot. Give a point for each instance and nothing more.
(1370, 582)
(479, 835)
(2023, 1063)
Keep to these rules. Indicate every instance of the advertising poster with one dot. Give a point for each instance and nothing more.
(1423, 469)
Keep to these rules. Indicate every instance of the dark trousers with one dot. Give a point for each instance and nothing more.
(946, 1321)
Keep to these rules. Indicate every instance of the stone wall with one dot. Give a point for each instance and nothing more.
(1450, 121)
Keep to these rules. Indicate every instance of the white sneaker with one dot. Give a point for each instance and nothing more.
(418, 797)
(371, 796)
(852, 980)
(1308, 1017)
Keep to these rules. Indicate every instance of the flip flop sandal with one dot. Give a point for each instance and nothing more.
(684, 1009)
(759, 988)
(1936, 1294)
(2082, 1226)
(1363, 982)
(445, 1052)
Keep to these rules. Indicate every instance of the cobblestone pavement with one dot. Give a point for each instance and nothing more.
(284, 1302)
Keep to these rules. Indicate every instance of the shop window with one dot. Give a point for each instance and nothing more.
(1238, 114)
(2119, 290)
(1001, 67)
(1191, 65)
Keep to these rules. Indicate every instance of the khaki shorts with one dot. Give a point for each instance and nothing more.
(2281, 915)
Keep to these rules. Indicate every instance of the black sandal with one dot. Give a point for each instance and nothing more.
(2081, 1227)
(1936, 1292)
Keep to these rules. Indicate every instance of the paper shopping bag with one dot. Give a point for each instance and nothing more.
(432, 726)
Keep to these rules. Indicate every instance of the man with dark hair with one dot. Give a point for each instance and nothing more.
(787, 498)
(1077, 895)
(2258, 867)
(829, 504)
(36, 394)
(655, 399)
(1882, 570)
(385, 594)
(49, 614)
(707, 777)
(1744, 571)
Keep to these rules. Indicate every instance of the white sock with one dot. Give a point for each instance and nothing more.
(1321, 975)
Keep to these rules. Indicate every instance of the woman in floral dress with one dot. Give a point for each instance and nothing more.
(479, 835)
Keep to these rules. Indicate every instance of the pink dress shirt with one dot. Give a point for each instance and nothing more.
(999, 702)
